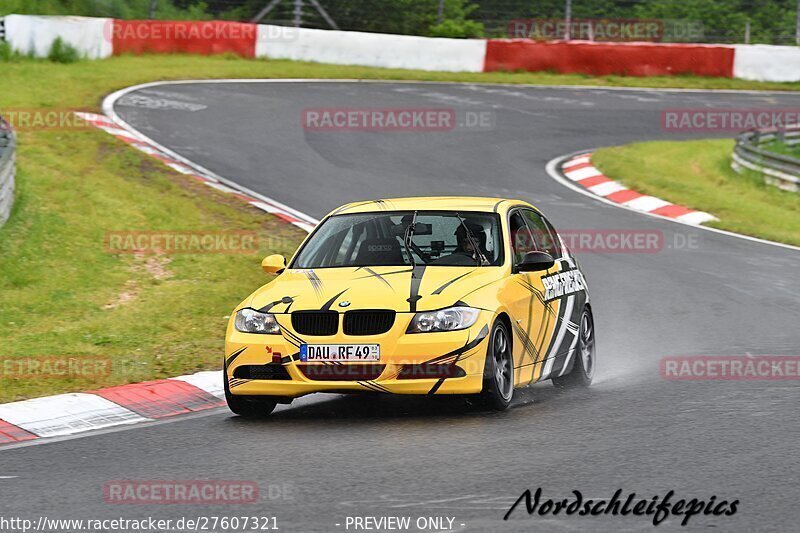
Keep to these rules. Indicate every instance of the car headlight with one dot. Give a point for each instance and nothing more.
(251, 321)
(450, 319)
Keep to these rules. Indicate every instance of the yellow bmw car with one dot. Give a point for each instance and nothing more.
(444, 295)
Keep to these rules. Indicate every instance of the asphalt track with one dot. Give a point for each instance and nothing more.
(326, 458)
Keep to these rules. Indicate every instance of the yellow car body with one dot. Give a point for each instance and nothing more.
(541, 310)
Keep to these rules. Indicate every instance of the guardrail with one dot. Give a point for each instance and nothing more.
(782, 171)
(8, 158)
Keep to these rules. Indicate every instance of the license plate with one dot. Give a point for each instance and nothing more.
(340, 352)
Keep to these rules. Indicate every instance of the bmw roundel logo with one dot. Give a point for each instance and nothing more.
(344, 304)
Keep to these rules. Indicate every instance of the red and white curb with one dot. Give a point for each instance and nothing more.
(579, 169)
(150, 148)
(68, 414)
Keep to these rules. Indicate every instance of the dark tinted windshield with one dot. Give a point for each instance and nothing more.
(377, 239)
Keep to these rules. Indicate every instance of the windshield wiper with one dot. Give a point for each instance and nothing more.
(407, 239)
(479, 257)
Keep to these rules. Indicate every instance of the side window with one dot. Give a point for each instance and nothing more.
(545, 239)
(522, 241)
(556, 240)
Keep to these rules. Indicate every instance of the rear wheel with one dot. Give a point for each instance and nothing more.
(498, 374)
(583, 368)
(248, 406)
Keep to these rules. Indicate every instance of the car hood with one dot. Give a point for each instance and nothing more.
(404, 289)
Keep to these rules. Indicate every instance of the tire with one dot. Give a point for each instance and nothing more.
(583, 368)
(248, 406)
(498, 373)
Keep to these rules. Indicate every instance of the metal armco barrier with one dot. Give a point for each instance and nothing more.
(783, 171)
(8, 158)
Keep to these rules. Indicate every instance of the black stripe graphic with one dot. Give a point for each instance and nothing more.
(284, 300)
(436, 386)
(469, 345)
(315, 281)
(451, 364)
(374, 274)
(369, 385)
(291, 337)
(416, 280)
(329, 303)
(443, 287)
(378, 386)
(234, 355)
(387, 273)
(527, 344)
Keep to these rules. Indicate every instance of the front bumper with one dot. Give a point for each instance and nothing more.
(421, 363)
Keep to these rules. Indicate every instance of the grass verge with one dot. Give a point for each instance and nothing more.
(82, 84)
(782, 148)
(698, 174)
(64, 295)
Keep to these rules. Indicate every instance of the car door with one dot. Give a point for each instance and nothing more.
(564, 293)
(532, 318)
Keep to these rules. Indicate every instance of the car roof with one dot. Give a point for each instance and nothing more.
(433, 203)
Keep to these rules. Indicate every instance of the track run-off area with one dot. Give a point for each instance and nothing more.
(325, 458)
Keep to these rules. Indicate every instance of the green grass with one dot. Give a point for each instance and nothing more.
(65, 295)
(697, 174)
(792, 150)
(62, 294)
(83, 84)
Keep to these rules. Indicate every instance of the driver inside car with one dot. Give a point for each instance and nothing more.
(465, 253)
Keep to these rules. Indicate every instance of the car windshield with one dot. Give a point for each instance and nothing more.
(388, 239)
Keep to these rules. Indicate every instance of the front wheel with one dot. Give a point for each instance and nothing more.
(248, 406)
(583, 368)
(498, 374)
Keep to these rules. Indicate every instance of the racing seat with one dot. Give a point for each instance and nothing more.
(380, 252)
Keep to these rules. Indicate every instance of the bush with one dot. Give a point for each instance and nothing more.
(61, 52)
(457, 29)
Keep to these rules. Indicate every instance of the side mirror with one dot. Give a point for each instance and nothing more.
(273, 264)
(535, 262)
